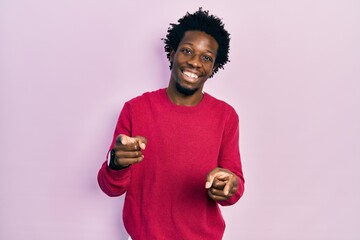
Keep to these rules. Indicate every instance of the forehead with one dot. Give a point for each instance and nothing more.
(200, 40)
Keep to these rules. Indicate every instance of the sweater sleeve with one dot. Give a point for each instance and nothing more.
(229, 156)
(115, 182)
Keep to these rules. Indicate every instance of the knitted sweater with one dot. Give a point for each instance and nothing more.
(165, 193)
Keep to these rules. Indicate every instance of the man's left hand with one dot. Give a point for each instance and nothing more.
(221, 184)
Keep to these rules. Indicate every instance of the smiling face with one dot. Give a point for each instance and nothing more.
(192, 63)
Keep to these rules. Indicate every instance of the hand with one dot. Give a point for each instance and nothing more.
(128, 150)
(221, 184)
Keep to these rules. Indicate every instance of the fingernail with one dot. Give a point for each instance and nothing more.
(207, 185)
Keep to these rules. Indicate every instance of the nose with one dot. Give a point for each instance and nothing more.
(194, 61)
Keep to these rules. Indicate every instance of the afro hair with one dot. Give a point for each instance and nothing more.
(202, 21)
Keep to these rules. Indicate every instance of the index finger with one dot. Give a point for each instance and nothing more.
(142, 141)
(124, 140)
(229, 185)
(216, 173)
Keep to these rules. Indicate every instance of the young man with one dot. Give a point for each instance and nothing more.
(175, 151)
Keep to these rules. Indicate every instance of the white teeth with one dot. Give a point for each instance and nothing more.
(192, 75)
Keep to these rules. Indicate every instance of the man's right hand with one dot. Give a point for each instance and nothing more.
(128, 150)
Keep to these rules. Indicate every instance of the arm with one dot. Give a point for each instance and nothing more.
(113, 182)
(127, 150)
(114, 178)
(225, 183)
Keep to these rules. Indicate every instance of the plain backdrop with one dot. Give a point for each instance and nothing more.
(66, 68)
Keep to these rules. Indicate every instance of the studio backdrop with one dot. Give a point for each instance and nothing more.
(67, 67)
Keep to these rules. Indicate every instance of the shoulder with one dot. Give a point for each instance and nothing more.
(220, 105)
(145, 97)
(226, 112)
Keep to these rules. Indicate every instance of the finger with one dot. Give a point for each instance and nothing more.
(209, 180)
(126, 148)
(217, 192)
(229, 185)
(127, 154)
(223, 176)
(123, 139)
(218, 196)
(216, 173)
(233, 186)
(218, 184)
(142, 141)
(128, 161)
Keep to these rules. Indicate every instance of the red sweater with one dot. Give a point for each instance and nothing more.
(165, 194)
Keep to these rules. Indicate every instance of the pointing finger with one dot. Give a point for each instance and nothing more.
(216, 173)
(141, 141)
(229, 185)
(125, 140)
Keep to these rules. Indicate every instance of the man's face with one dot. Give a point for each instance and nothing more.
(193, 62)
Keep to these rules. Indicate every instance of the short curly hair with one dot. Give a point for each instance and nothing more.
(201, 20)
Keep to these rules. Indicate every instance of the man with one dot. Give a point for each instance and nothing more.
(175, 151)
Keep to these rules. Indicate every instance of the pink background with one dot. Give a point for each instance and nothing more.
(66, 68)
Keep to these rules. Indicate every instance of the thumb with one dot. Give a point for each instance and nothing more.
(210, 178)
(209, 183)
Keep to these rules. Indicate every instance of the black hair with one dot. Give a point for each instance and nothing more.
(201, 20)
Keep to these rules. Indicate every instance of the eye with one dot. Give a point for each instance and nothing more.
(186, 51)
(207, 58)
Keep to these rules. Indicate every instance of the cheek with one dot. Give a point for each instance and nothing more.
(175, 59)
(210, 69)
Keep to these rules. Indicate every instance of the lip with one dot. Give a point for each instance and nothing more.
(188, 78)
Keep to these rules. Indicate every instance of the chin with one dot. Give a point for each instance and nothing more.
(184, 90)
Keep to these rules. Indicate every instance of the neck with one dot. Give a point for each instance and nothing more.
(184, 100)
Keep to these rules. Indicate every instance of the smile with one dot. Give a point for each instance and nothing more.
(189, 76)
